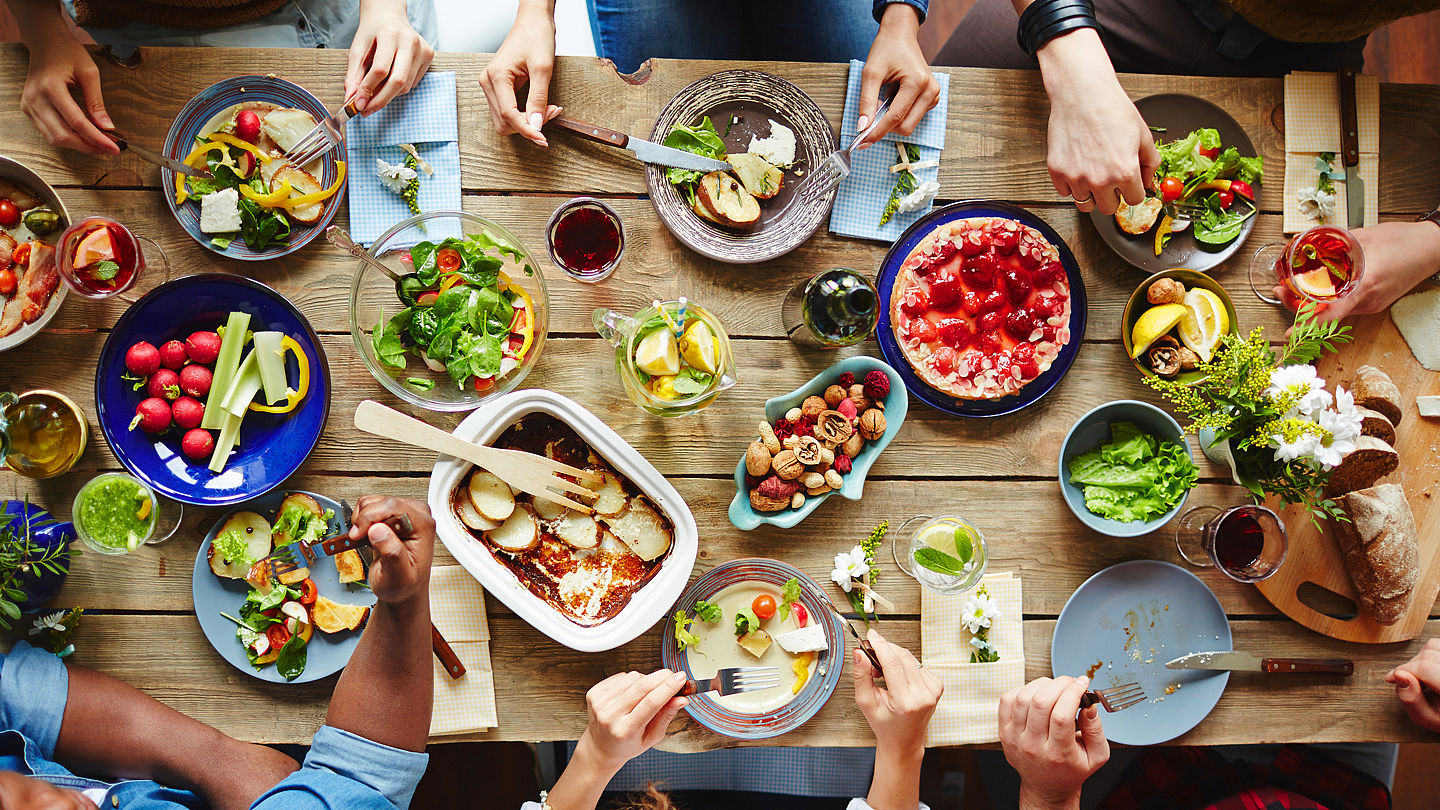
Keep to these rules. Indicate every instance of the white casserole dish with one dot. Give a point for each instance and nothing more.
(646, 606)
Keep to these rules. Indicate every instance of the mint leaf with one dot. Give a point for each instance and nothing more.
(964, 546)
(105, 270)
(939, 562)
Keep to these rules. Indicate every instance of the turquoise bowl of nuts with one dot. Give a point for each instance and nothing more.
(799, 455)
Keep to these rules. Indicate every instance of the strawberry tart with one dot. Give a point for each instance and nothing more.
(981, 307)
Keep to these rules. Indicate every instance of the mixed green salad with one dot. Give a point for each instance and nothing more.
(462, 314)
(1134, 476)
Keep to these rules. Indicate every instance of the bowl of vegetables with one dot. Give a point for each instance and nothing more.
(459, 315)
(1126, 468)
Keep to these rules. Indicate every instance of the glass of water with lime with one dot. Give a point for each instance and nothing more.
(945, 554)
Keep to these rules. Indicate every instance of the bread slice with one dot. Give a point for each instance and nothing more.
(1371, 461)
(1381, 549)
(350, 566)
(1374, 423)
(1375, 390)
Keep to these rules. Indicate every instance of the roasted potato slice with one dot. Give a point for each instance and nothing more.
(491, 496)
(642, 529)
(350, 566)
(333, 617)
(1137, 219)
(756, 174)
(254, 531)
(578, 530)
(728, 200)
(520, 532)
(471, 517)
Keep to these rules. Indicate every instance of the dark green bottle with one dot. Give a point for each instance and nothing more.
(838, 307)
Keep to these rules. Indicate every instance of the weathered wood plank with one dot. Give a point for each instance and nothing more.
(540, 686)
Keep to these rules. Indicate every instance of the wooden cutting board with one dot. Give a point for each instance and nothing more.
(1314, 555)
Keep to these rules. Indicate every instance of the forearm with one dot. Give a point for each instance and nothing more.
(896, 784)
(1030, 801)
(900, 19)
(385, 692)
(39, 21)
(584, 779)
(544, 7)
(1077, 58)
(1428, 234)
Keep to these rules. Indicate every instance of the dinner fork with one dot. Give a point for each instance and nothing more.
(825, 177)
(733, 680)
(300, 554)
(325, 136)
(1115, 698)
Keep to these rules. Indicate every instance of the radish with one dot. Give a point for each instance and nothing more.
(173, 354)
(152, 415)
(197, 443)
(142, 359)
(195, 380)
(187, 412)
(203, 347)
(164, 384)
(246, 165)
(247, 126)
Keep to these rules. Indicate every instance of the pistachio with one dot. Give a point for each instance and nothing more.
(808, 451)
(832, 426)
(793, 414)
(811, 480)
(833, 479)
(757, 459)
(812, 407)
(834, 394)
(872, 424)
(768, 437)
(786, 465)
(797, 500)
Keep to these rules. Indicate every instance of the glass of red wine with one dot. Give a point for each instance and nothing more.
(586, 239)
(100, 258)
(1247, 542)
(1320, 265)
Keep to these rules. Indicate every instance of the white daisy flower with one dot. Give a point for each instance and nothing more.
(979, 612)
(49, 621)
(1304, 446)
(919, 198)
(1315, 204)
(1303, 384)
(394, 177)
(849, 567)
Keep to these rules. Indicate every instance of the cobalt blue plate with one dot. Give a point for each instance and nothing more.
(1038, 387)
(272, 446)
(192, 119)
(327, 653)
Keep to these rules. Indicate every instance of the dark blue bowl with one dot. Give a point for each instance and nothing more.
(272, 446)
(1038, 387)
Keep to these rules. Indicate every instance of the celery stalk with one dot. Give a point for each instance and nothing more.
(226, 365)
(229, 437)
(270, 354)
(243, 387)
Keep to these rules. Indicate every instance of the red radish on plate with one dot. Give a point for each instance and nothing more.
(173, 354)
(142, 359)
(197, 443)
(247, 126)
(187, 412)
(152, 415)
(195, 380)
(164, 384)
(203, 347)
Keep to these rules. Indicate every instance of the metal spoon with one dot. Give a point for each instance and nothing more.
(339, 238)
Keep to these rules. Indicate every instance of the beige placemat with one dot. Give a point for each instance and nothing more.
(457, 607)
(967, 710)
(1312, 126)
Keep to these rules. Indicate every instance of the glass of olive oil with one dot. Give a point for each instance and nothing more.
(42, 433)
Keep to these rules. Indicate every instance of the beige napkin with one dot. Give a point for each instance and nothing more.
(967, 710)
(457, 607)
(1312, 126)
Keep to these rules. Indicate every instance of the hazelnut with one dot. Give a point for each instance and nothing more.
(832, 426)
(757, 459)
(872, 424)
(764, 504)
(797, 500)
(808, 451)
(1188, 359)
(1166, 291)
(834, 480)
(786, 465)
(817, 491)
(812, 407)
(791, 442)
(861, 402)
(793, 415)
(834, 394)
(768, 437)
(811, 480)
(853, 445)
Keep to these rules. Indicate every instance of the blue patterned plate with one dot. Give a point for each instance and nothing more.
(272, 446)
(885, 333)
(192, 119)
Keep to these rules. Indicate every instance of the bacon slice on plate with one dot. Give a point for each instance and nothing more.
(39, 282)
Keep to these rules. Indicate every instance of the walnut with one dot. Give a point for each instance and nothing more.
(764, 504)
(1163, 356)
(812, 407)
(757, 459)
(834, 394)
(1188, 359)
(872, 424)
(834, 480)
(857, 397)
(793, 415)
(768, 437)
(786, 465)
(791, 442)
(809, 451)
(1166, 291)
(797, 500)
(811, 480)
(853, 445)
(833, 426)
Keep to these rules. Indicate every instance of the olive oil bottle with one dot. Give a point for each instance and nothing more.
(837, 307)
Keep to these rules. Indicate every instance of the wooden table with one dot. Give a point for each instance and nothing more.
(1001, 472)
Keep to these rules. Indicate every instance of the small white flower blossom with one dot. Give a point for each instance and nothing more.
(849, 567)
(919, 198)
(1343, 429)
(1315, 204)
(50, 621)
(979, 612)
(1304, 446)
(1302, 382)
(394, 177)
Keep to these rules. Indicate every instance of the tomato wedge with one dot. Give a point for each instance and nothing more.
(448, 260)
(483, 384)
(308, 591)
(278, 635)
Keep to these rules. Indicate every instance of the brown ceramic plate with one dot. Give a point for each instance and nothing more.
(754, 98)
(1178, 115)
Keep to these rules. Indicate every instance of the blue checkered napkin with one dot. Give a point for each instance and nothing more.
(862, 196)
(426, 118)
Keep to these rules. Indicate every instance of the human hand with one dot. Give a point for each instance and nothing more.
(387, 56)
(895, 58)
(1100, 149)
(59, 62)
(402, 565)
(27, 793)
(1417, 684)
(899, 713)
(1053, 751)
(1398, 256)
(629, 713)
(526, 57)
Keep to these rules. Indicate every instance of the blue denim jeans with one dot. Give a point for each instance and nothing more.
(628, 32)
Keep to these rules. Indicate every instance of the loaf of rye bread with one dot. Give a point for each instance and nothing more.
(1374, 423)
(1371, 460)
(1375, 390)
(1381, 549)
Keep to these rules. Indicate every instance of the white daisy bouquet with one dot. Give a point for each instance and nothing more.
(978, 614)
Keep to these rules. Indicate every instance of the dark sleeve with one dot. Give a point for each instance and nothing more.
(920, 6)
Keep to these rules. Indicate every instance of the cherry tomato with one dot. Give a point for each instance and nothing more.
(308, 591)
(1171, 188)
(483, 384)
(7, 282)
(764, 606)
(9, 214)
(278, 635)
(1225, 198)
(21, 256)
(448, 260)
(1243, 189)
(427, 299)
(1210, 151)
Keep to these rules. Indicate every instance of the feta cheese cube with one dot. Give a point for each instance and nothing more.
(220, 211)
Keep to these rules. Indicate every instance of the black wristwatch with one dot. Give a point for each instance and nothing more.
(1433, 216)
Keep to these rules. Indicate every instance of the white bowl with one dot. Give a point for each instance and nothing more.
(647, 605)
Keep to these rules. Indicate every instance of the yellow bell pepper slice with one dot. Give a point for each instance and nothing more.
(529, 317)
(308, 199)
(1161, 232)
(293, 397)
(270, 200)
(801, 667)
(451, 279)
(231, 140)
(200, 151)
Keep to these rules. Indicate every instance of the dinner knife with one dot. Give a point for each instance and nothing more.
(1246, 662)
(643, 149)
(1350, 150)
(159, 160)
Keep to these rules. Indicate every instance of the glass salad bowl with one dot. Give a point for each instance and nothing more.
(467, 329)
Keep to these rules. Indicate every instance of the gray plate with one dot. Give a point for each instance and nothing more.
(21, 175)
(754, 97)
(1179, 115)
(1130, 619)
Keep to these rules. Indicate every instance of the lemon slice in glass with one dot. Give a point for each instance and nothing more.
(1153, 324)
(657, 354)
(1204, 323)
(949, 539)
(699, 347)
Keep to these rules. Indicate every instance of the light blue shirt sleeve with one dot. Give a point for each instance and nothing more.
(33, 688)
(345, 771)
(922, 7)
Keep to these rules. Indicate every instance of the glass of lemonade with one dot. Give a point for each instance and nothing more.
(673, 357)
(946, 554)
(116, 513)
